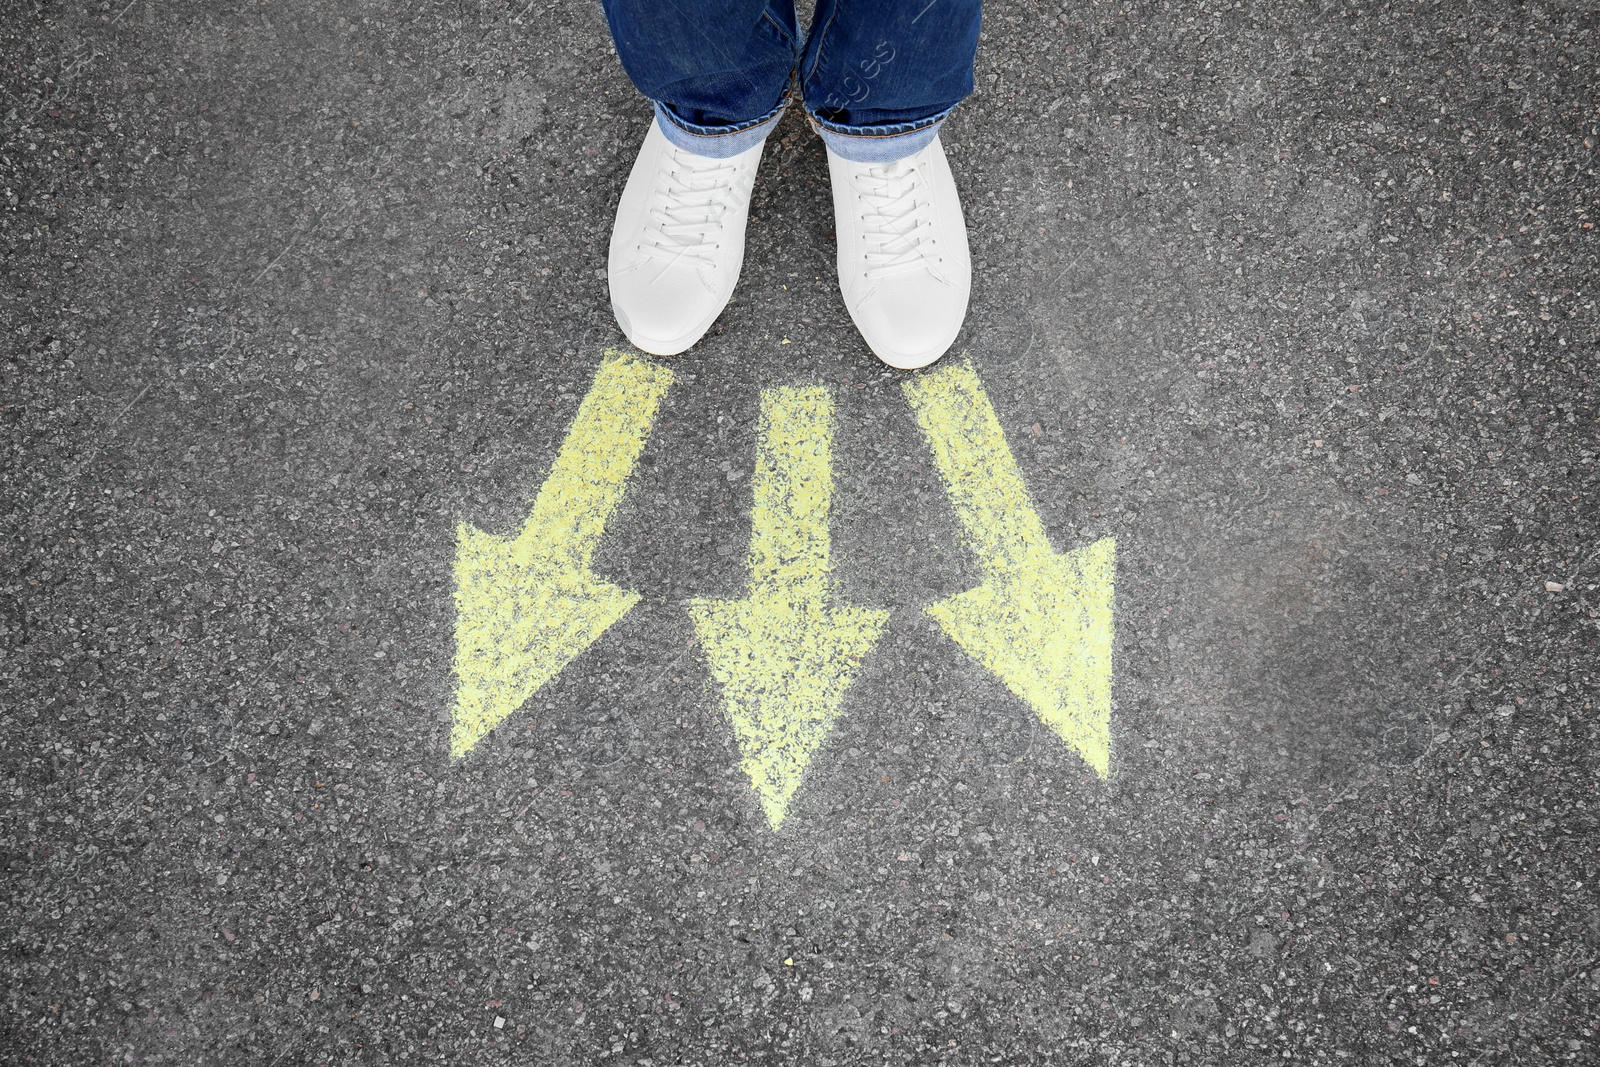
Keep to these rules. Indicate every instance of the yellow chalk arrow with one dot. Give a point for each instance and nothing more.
(781, 656)
(527, 605)
(1040, 621)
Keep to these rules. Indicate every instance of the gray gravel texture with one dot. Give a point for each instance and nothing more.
(1295, 300)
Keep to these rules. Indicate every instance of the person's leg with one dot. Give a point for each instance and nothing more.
(717, 72)
(713, 68)
(879, 77)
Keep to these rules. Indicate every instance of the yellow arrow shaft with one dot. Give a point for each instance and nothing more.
(979, 472)
(793, 489)
(590, 472)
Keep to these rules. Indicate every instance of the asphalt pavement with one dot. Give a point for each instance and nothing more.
(1294, 303)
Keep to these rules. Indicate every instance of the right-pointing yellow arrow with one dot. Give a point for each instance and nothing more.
(1040, 621)
(783, 656)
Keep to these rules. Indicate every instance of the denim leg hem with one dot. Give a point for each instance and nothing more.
(717, 142)
(878, 144)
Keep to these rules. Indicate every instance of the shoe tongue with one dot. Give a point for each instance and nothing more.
(697, 163)
(692, 208)
(898, 200)
(895, 218)
(895, 181)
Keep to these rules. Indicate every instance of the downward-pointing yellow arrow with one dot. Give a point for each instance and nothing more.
(782, 657)
(1042, 622)
(527, 605)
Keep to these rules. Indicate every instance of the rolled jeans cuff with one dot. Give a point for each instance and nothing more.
(717, 142)
(878, 144)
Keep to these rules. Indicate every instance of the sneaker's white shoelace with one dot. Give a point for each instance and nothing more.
(686, 220)
(896, 219)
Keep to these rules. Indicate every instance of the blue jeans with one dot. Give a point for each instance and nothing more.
(876, 77)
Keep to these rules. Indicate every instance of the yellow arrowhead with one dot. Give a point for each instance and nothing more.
(1045, 630)
(1041, 622)
(782, 657)
(527, 605)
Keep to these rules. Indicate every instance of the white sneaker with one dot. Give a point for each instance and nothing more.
(678, 242)
(904, 268)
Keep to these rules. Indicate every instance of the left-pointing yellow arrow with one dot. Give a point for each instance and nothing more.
(782, 656)
(527, 605)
